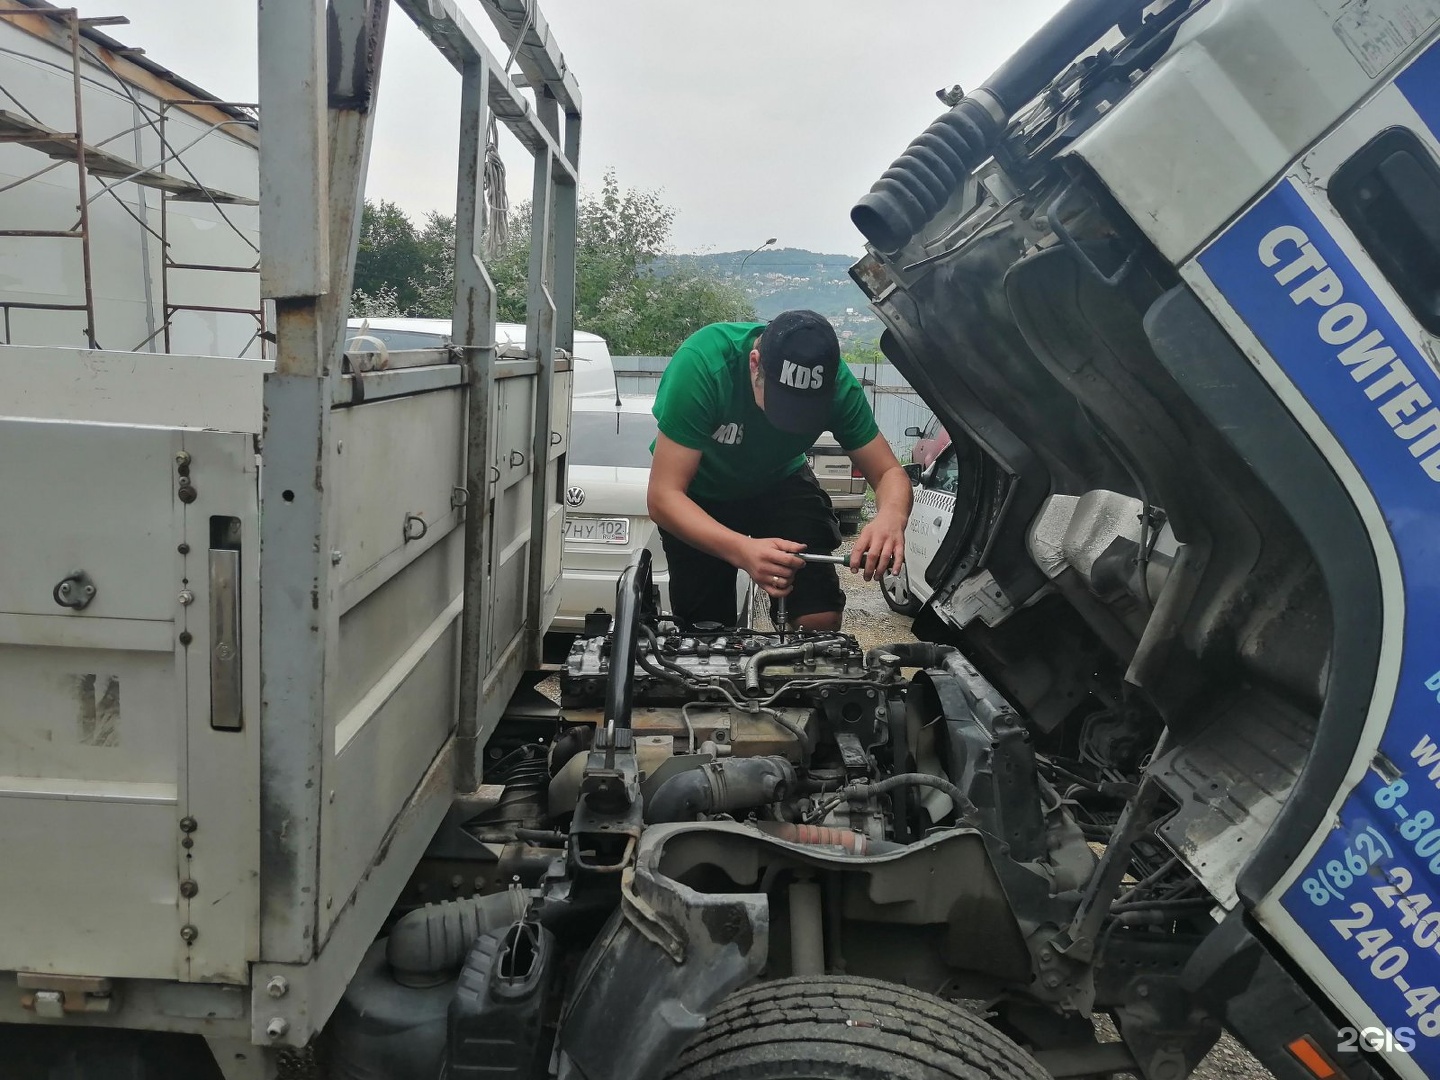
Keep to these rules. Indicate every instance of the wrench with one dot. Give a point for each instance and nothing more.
(831, 560)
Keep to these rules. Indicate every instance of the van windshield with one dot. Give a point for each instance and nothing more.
(612, 439)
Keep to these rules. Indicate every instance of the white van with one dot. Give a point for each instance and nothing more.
(594, 373)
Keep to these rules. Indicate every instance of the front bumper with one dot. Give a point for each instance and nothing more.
(583, 591)
(845, 503)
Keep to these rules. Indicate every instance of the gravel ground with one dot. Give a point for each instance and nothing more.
(1231, 1061)
(871, 621)
(867, 616)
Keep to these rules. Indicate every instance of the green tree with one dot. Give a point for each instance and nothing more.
(434, 287)
(390, 258)
(864, 353)
(622, 290)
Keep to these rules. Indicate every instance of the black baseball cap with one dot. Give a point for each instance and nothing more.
(799, 356)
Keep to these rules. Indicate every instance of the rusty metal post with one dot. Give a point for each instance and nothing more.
(540, 346)
(473, 330)
(311, 190)
(72, 21)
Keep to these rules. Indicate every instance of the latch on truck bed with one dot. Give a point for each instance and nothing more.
(55, 996)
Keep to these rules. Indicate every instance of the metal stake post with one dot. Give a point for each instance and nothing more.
(318, 75)
(473, 328)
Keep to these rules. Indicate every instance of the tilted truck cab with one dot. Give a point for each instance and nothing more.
(1173, 286)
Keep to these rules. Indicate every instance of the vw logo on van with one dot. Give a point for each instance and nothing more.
(574, 496)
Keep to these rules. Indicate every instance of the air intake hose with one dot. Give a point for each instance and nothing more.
(428, 945)
(913, 190)
(721, 786)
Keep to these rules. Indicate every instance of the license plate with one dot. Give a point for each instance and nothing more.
(597, 530)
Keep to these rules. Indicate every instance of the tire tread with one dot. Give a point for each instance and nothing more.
(861, 1029)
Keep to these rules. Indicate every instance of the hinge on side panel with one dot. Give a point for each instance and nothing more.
(56, 996)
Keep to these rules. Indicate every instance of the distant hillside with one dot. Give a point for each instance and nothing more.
(778, 279)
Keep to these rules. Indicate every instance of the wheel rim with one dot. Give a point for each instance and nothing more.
(896, 589)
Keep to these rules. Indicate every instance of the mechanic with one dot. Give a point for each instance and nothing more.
(730, 486)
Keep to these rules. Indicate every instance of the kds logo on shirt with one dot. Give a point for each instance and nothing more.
(729, 434)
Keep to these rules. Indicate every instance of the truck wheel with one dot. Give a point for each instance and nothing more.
(826, 1028)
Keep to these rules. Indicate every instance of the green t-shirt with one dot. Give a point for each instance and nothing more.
(706, 402)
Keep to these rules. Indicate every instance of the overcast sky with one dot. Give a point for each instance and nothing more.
(752, 118)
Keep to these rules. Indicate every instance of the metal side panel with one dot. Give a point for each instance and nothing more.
(555, 490)
(394, 701)
(89, 497)
(91, 701)
(219, 894)
(397, 467)
(132, 821)
(510, 530)
(164, 390)
(1229, 783)
(560, 399)
(554, 547)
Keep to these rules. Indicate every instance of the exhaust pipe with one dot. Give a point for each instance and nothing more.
(913, 190)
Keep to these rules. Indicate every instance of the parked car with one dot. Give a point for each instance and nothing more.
(844, 483)
(607, 475)
(594, 372)
(929, 441)
(934, 508)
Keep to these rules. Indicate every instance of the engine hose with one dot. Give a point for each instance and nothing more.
(428, 945)
(852, 842)
(658, 656)
(756, 665)
(719, 787)
(762, 659)
(921, 181)
(792, 728)
(921, 654)
(577, 740)
(966, 808)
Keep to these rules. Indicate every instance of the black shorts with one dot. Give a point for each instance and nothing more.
(703, 588)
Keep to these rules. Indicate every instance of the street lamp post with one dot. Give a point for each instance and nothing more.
(762, 247)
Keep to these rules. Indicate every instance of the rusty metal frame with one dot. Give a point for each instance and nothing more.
(319, 75)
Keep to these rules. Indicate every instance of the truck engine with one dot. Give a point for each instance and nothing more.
(718, 807)
(804, 737)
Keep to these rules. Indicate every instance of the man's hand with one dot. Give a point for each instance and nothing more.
(881, 544)
(771, 563)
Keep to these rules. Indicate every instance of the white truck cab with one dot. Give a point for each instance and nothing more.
(1169, 278)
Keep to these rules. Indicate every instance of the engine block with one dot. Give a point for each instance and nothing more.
(724, 661)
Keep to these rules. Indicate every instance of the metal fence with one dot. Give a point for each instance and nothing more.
(897, 406)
